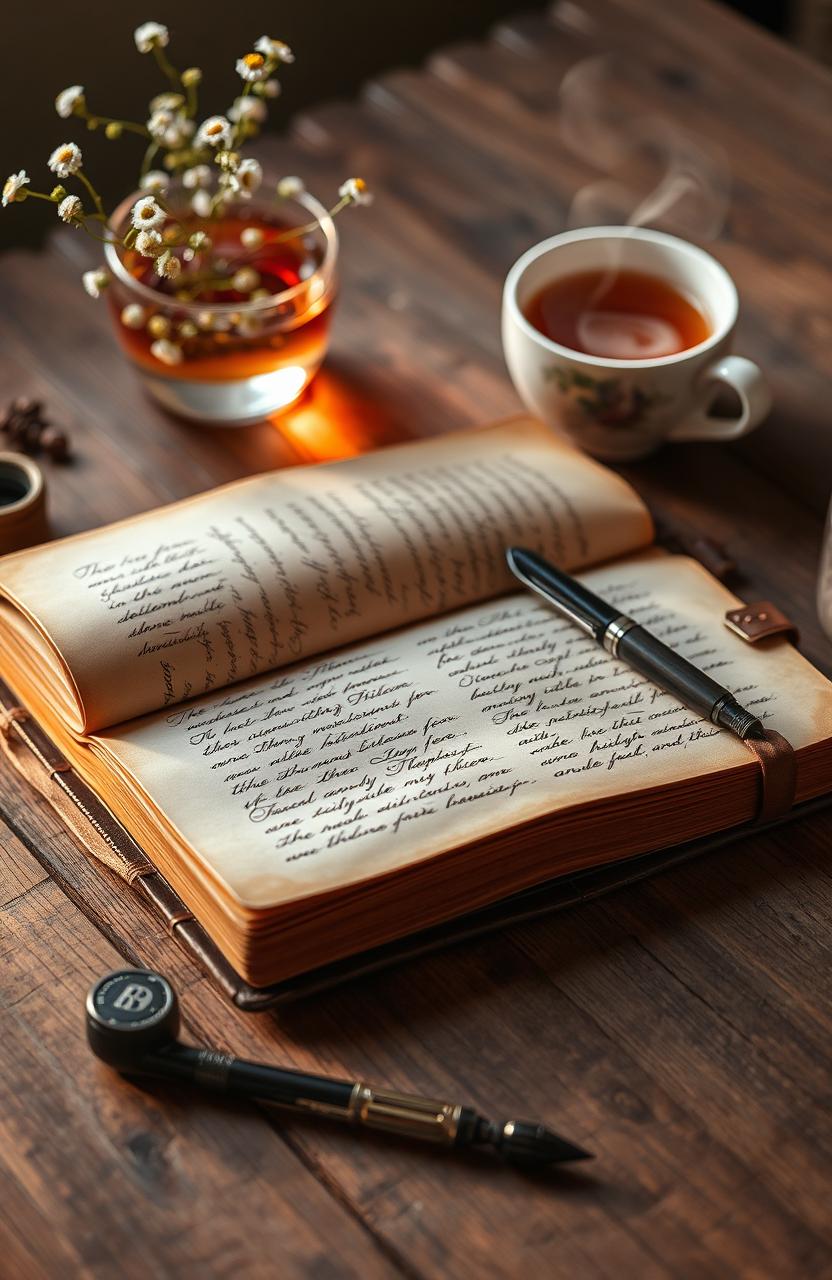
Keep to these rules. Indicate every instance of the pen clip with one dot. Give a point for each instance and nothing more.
(547, 595)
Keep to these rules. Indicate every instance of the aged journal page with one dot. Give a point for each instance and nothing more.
(360, 762)
(245, 579)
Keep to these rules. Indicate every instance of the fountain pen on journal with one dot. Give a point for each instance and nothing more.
(626, 639)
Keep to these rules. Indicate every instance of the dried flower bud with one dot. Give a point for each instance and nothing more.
(168, 265)
(187, 329)
(95, 282)
(191, 77)
(167, 352)
(245, 279)
(199, 240)
(58, 193)
(133, 316)
(252, 237)
(158, 326)
(114, 130)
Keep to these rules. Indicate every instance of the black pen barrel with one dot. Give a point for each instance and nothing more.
(580, 604)
(663, 666)
(244, 1079)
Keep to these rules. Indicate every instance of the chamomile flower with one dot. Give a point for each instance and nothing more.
(197, 178)
(168, 265)
(214, 132)
(166, 351)
(69, 100)
(249, 175)
(149, 244)
(70, 208)
(252, 67)
(200, 241)
(156, 181)
(166, 102)
(178, 133)
(66, 160)
(288, 188)
(245, 279)
(146, 214)
(248, 108)
(355, 190)
(158, 122)
(133, 316)
(249, 326)
(95, 282)
(202, 203)
(277, 50)
(150, 36)
(12, 186)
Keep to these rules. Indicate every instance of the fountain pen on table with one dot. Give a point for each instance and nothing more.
(626, 639)
(132, 1025)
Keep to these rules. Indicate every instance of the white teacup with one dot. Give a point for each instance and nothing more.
(623, 409)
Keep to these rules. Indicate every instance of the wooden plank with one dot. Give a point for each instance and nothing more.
(103, 1178)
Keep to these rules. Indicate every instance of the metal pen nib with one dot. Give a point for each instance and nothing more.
(452, 1125)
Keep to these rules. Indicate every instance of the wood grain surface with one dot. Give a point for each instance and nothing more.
(681, 1029)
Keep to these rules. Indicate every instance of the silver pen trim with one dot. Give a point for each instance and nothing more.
(615, 633)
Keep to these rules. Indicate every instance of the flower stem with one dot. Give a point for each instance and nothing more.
(125, 124)
(148, 159)
(96, 197)
(166, 67)
(309, 226)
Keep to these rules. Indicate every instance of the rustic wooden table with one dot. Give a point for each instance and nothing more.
(681, 1029)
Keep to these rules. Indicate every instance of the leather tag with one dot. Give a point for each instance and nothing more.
(758, 621)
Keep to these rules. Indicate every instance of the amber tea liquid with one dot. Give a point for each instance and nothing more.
(618, 315)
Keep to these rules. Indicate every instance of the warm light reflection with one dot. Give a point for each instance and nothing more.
(339, 418)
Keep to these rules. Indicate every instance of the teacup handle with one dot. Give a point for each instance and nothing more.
(744, 377)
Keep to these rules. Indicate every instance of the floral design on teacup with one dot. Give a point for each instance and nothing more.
(609, 402)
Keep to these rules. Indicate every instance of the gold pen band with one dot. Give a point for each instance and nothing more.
(405, 1114)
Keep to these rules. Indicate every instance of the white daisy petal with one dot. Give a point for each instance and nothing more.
(149, 244)
(70, 208)
(197, 178)
(133, 316)
(12, 186)
(68, 99)
(201, 203)
(252, 67)
(166, 351)
(288, 188)
(249, 176)
(151, 35)
(214, 132)
(355, 190)
(95, 282)
(156, 181)
(277, 50)
(146, 214)
(248, 109)
(66, 160)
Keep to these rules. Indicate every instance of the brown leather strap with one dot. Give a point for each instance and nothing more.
(778, 774)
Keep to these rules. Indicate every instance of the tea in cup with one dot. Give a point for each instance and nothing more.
(621, 338)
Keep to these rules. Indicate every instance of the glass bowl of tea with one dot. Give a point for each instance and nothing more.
(238, 329)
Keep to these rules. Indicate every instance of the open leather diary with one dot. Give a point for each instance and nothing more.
(314, 700)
